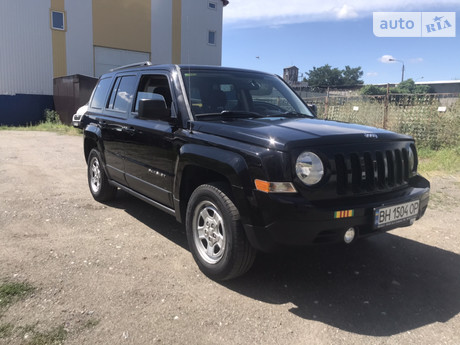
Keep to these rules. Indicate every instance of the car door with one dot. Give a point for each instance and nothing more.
(150, 153)
(112, 123)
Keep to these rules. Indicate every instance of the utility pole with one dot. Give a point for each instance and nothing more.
(402, 73)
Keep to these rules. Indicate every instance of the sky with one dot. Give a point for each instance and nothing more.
(269, 35)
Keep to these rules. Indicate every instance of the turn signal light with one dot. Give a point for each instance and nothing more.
(275, 187)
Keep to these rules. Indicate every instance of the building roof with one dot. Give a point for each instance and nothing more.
(438, 82)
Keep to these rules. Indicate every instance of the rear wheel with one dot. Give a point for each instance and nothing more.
(97, 179)
(215, 235)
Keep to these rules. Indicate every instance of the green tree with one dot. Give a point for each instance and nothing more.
(372, 90)
(328, 76)
(409, 86)
(324, 76)
(351, 76)
(406, 87)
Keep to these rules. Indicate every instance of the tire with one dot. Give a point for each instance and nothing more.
(215, 235)
(98, 182)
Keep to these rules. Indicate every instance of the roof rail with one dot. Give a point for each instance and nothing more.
(137, 64)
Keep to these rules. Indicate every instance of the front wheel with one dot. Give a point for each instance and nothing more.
(97, 179)
(215, 235)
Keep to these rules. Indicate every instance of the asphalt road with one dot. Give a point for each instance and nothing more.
(121, 273)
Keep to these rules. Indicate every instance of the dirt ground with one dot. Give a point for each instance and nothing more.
(122, 274)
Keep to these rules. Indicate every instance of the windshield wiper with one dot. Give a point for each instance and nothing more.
(231, 113)
(290, 114)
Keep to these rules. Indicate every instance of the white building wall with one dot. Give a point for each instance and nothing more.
(26, 54)
(161, 46)
(197, 20)
(107, 58)
(26, 61)
(79, 37)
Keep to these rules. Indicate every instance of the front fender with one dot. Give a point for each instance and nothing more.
(229, 164)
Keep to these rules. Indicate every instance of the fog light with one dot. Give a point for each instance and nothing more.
(349, 235)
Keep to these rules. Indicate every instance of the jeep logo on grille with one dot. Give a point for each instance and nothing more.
(371, 136)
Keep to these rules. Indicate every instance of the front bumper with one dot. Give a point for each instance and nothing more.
(76, 121)
(291, 220)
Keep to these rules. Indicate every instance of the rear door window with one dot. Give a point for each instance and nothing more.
(100, 93)
(122, 93)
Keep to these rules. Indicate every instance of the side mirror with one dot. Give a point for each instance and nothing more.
(154, 109)
(313, 108)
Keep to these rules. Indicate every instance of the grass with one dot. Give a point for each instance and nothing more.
(29, 333)
(11, 292)
(32, 336)
(55, 336)
(91, 323)
(46, 127)
(6, 330)
(445, 160)
(51, 123)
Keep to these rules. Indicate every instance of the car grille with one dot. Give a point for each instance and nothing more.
(371, 171)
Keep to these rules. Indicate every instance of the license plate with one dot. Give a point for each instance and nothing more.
(386, 216)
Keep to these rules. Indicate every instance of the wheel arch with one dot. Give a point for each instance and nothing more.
(198, 164)
(92, 140)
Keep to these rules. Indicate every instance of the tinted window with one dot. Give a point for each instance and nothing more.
(122, 93)
(113, 93)
(151, 86)
(214, 91)
(100, 93)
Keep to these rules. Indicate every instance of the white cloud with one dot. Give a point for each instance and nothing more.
(276, 12)
(346, 12)
(372, 74)
(386, 59)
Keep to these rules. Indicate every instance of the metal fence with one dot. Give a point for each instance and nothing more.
(432, 119)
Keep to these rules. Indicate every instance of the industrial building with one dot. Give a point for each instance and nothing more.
(46, 39)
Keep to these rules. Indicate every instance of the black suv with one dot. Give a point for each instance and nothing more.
(239, 158)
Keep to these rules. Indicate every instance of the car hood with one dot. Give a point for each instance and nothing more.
(285, 134)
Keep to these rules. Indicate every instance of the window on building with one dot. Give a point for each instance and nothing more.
(100, 93)
(212, 37)
(57, 20)
(212, 5)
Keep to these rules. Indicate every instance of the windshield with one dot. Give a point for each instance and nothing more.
(242, 93)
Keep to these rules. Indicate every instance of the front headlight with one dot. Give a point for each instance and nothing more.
(309, 168)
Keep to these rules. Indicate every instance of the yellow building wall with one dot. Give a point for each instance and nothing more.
(122, 24)
(58, 40)
(176, 31)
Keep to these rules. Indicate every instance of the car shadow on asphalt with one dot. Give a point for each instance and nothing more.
(380, 286)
